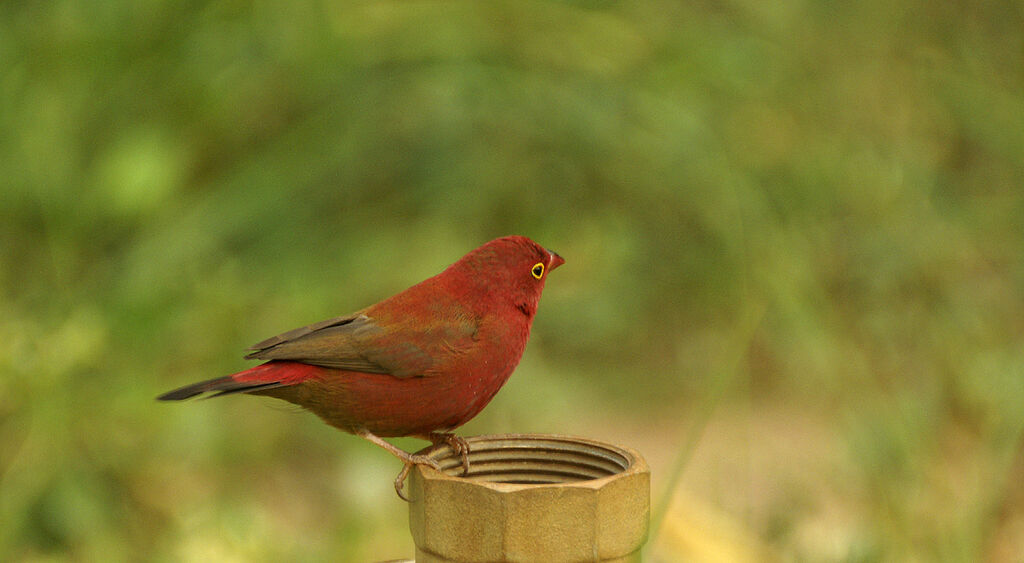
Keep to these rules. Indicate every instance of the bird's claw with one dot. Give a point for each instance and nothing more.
(460, 446)
(409, 462)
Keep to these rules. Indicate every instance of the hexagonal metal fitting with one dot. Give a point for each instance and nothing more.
(531, 497)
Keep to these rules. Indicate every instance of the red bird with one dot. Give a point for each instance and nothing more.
(420, 363)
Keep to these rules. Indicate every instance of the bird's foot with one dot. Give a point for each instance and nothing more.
(458, 445)
(410, 461)
(407, 458)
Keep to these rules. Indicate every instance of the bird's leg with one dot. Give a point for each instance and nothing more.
(457, 444)
(407, 458)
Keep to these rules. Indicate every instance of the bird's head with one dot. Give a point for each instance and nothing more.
(512, 268)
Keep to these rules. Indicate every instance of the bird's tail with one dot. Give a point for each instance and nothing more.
(261, 377)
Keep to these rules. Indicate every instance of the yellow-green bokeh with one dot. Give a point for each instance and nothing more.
(803, 218)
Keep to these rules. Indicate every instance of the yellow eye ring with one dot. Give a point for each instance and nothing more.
(538, 270)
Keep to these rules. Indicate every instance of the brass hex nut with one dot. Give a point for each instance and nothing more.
(531, 498)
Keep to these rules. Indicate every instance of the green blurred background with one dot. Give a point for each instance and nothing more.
(794, 236)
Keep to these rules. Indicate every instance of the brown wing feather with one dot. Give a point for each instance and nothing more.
(300, 332)
(334, 343)
(356, 343)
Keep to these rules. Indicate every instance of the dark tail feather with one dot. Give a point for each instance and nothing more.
(224, 385)
(253, 380)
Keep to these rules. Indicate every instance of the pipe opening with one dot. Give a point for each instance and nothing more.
(533, 460)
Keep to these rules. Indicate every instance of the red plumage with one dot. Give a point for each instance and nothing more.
(420, 363)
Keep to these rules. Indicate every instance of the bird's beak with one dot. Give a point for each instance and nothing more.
(554, 260)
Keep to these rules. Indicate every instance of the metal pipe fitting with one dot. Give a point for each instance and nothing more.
(531, 497)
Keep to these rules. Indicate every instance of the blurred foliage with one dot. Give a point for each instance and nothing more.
(786, 211)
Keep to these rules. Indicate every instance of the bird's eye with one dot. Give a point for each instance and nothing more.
(538, 270)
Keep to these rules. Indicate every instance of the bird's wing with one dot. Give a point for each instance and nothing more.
(358, 343)
(331, 343)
